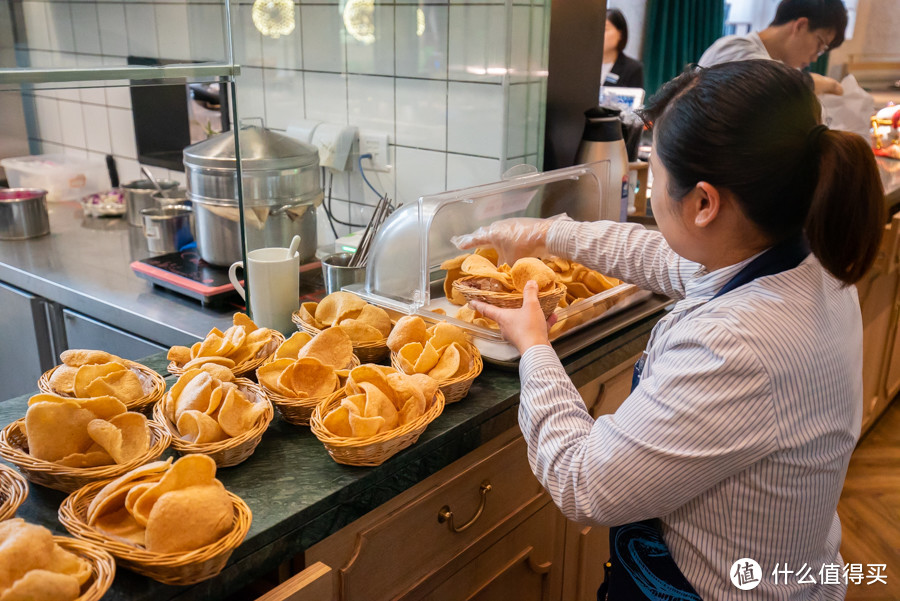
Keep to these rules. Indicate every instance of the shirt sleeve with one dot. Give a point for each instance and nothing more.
(702, 413)
(732, 48)
(627, 251)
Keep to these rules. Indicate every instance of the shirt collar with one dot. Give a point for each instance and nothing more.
(704, 285)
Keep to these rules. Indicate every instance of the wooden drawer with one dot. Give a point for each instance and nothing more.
(525, 565)
(312, 584)
(394, 549)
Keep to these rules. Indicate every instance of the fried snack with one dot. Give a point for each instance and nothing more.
(332, 347)
(87, 373)
(443, 354)
(165, 507)
(241, 342)
(362, 322)
(33, 567)
(409, 328)
(337, 306)
(470, 315)
(529, 268)
(290, 348)
(378, 400)
(205, 406)
(312, 370)
(84, 432)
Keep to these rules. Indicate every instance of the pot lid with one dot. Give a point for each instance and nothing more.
(261, 150)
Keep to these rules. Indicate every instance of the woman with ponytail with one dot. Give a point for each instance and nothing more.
(746, 405)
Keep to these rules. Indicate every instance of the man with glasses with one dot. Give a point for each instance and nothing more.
(802, 31)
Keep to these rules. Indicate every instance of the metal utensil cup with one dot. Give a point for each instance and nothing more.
(167, 229)
(23, 213)
(139, 196)
(337, 273)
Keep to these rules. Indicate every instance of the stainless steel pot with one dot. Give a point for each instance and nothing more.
(167, 229)
(281, 190)
(139, 196)
(23, 213)
(218, 229)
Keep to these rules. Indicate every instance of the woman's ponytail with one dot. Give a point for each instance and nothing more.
(847, 215)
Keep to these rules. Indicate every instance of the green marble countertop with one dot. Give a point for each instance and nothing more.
(299, 495)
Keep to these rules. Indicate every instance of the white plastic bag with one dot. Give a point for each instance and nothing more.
(850, 112)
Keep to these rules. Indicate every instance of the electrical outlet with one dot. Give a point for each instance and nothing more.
(376, 144)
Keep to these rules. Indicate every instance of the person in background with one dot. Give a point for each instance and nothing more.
(746, 406)
(801, 32)
(619, 70)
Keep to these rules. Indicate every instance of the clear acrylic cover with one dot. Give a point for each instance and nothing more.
(404, 271)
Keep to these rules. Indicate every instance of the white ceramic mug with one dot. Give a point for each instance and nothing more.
(274, 286)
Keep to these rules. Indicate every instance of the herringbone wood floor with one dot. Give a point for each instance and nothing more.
(870, 508)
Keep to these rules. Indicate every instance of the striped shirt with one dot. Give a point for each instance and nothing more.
(740, 431)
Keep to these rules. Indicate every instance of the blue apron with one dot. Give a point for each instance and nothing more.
(640, 566)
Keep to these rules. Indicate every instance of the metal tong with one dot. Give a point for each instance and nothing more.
(382, 210)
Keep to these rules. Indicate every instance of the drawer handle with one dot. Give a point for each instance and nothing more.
(445, 515)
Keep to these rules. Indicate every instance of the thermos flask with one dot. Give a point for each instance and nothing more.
(602, 141)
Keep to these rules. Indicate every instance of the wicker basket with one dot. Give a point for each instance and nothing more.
(153, 384)
(367, 352)
(14, 448)
(230, 451)
(103, 566)
(169, 568)
(298, 411)
(373, 450)
(245, 367)
(13, 491)
(454, 389)
(548, 299)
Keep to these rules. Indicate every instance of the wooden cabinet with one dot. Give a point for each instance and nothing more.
(480, 529)
(587, 547)
(312, 584)
(409, 546)
(878, 299)
(524, 565)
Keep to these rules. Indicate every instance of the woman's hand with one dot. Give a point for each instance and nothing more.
(524, 327)
(512, 238)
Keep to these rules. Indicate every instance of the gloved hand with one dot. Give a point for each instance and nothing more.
(512, 238)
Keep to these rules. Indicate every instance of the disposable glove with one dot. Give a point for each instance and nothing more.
(512, 238)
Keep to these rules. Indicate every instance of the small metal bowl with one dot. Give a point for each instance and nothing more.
(23, 213)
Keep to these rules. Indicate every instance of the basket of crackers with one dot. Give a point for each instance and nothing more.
(172, 522)
(241, 348)
(588, 293)
(444, 352)
(36, 565)
(367, 326)
(502, 286)
(86, 373)
(13, 491)
(306, 370)
(379, 412)
(210, 411)
(64, 443)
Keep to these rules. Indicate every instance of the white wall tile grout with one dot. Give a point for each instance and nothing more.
(461, 138)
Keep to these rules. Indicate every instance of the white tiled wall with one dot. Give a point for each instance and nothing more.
(457, 86)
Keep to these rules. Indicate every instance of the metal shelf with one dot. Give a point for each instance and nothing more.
(129, 72)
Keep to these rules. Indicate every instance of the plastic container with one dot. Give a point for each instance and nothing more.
(63, 177)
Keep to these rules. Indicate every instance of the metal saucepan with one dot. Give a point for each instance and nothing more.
(139, 196)
(23, 213)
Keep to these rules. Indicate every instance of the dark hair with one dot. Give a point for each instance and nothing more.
(615, 16)
(752, 128)
(822, 14)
